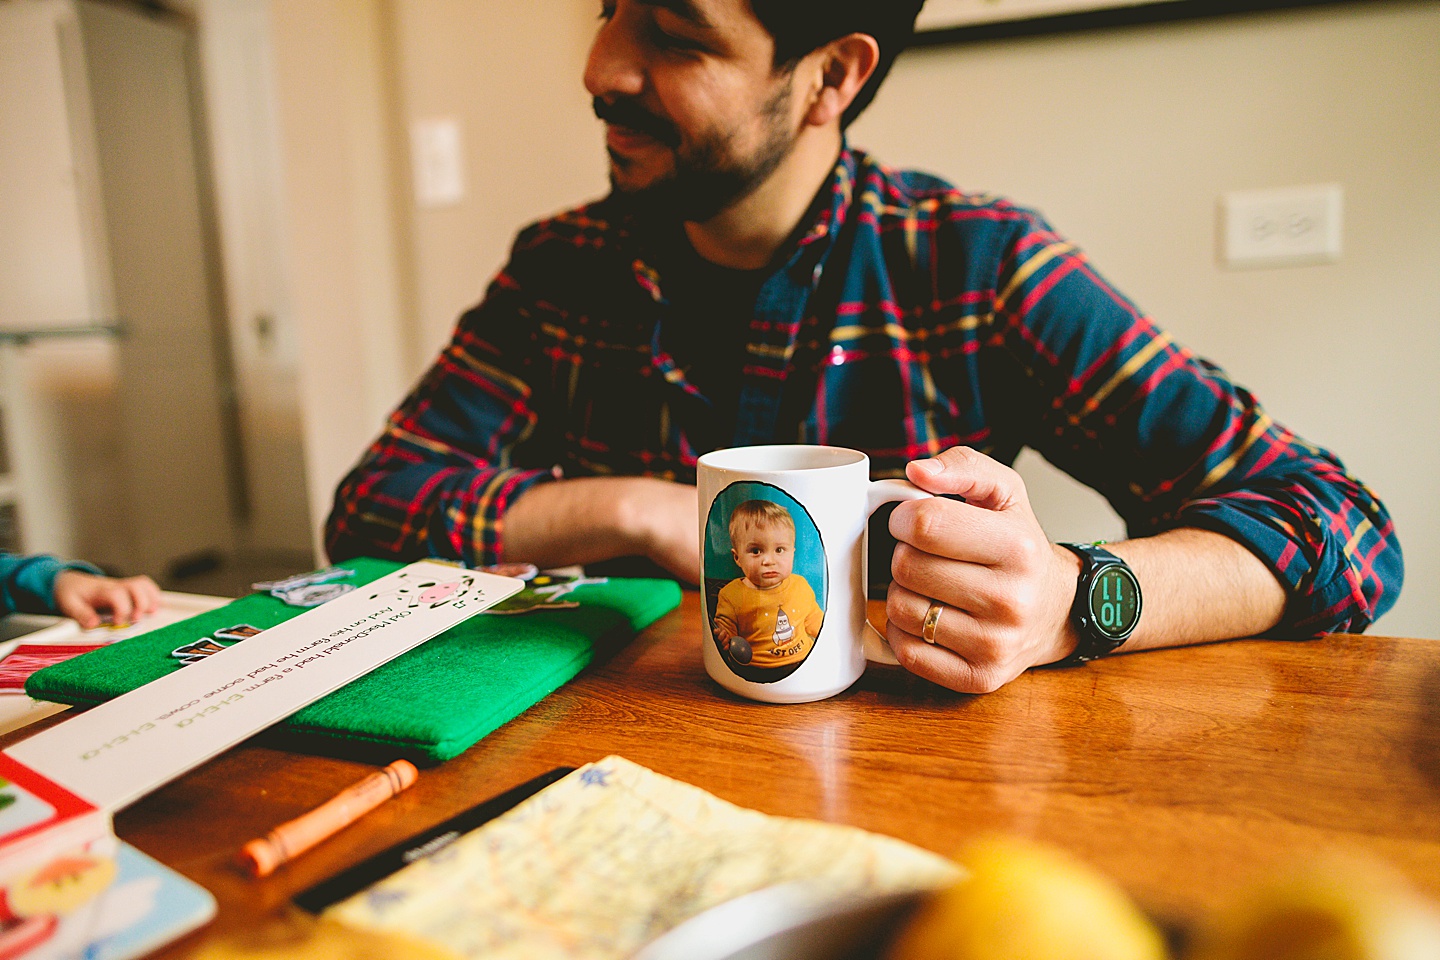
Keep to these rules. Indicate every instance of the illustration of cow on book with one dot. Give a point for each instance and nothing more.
(425, 590)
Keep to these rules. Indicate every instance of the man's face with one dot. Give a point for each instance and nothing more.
(696, 115)
(765, 554)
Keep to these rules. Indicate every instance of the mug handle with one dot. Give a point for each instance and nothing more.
(882, 492)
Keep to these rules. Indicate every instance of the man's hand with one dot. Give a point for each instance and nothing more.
(599, 518)
(668, 517)
(83, 597)
(1006, 588)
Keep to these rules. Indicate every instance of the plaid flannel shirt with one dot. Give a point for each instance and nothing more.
(909, 317)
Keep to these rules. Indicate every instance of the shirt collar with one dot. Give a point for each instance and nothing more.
(815, 238)
(832, 203)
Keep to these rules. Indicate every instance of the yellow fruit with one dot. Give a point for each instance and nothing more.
(1330, 910)
(1024, 901)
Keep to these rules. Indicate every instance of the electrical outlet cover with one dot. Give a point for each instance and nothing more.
(1283, 227)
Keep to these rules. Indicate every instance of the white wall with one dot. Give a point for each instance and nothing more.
(1126, 140)
(341, 234)
(509, 74)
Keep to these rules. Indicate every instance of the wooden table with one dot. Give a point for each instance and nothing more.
(1183, 774)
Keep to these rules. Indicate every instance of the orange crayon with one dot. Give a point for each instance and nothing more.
(290, 839)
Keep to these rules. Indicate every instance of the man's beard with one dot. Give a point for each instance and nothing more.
(707, 178)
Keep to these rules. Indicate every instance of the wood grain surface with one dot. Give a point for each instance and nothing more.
(1183, 774)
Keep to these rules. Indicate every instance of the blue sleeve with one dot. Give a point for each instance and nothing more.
(27, 584)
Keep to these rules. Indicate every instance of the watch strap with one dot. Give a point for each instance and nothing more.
(1093, 644)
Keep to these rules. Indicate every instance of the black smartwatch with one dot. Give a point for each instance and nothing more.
(1107, 603)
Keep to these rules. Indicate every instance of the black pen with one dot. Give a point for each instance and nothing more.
(422, 845)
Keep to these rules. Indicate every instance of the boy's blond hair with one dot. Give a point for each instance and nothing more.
(759, 513)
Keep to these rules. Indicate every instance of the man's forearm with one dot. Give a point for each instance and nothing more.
(1198, 586)
(1005, 592)
(590, 519)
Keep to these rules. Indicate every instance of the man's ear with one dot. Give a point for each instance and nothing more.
(845, 64)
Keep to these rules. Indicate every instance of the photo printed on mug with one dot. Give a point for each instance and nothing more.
(764, 580)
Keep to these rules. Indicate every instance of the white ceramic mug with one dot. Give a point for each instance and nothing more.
(782, 540)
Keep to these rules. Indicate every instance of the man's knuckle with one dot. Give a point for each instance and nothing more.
(892, 594)
(963, 454)
(1022, 601)
(986, 648)
(902, 520)
(1025, 553)
(910, 657)
(904, 565)
(931, 521)
(895, 610)
(986, 679)
(1006, 610)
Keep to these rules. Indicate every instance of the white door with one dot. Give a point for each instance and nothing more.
(179, 474)
(244, 147)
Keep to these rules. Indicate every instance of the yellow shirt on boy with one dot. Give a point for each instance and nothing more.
(780, 623)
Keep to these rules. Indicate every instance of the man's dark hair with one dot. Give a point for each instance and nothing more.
(800, 26)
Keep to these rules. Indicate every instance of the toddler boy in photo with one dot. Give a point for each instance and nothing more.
(769, 617)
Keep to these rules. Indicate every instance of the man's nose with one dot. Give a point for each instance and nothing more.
(613, 68)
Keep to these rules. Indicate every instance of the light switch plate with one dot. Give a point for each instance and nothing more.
(1284, 227)
(435, 158)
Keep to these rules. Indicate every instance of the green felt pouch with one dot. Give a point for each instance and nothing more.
(428, 705)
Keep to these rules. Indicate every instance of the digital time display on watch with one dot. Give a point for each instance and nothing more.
(1114, 602)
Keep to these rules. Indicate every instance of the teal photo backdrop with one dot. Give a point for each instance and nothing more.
(809, 550)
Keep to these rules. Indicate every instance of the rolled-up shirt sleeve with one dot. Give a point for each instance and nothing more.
(1171, 441)
(439, 479)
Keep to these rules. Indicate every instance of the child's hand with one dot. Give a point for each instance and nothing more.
(83, 597)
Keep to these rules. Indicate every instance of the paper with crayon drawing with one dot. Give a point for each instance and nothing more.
(614, 855)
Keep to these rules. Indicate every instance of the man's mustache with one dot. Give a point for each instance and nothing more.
(628, 113)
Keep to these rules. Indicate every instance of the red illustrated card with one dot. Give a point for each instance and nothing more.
(30, 804)
(28, 658)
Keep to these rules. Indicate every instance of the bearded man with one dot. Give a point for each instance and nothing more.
(752, 278)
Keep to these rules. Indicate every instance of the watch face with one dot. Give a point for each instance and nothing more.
(1115, 602)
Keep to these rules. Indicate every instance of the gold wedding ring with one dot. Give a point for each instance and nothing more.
(932, 620)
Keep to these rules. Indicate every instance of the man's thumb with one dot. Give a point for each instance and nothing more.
(977, 479)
